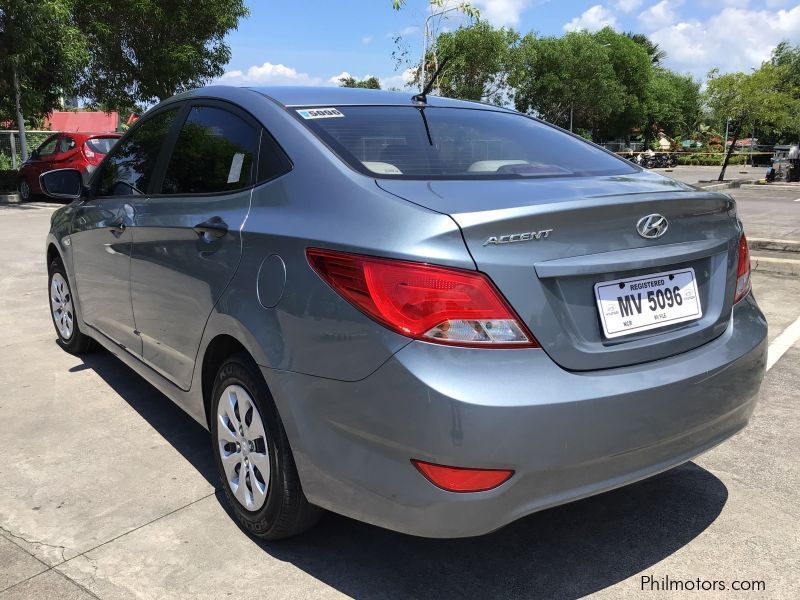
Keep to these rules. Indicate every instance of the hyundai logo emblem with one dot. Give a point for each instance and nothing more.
(652, 226)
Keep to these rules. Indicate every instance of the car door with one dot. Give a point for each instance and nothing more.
(102, 231)
(188, 242)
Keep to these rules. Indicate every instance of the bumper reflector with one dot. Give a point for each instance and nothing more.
(460, 479)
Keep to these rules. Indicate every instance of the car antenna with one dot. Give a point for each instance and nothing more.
(422, 97)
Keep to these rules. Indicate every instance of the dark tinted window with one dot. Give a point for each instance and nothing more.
(272, 162)
(214, 153)
(129, 168)
(101, 145)
(452, 143)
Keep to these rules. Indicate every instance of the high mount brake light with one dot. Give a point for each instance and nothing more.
(425, 302)
(460, 479)
(742, 271)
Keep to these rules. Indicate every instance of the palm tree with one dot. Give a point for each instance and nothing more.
(654, 51)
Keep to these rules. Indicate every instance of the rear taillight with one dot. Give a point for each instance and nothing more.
(425, 302)
(742, 271)
(460, 479)
(87, 151)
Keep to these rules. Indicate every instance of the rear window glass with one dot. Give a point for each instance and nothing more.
(452, 143)
(101, 145)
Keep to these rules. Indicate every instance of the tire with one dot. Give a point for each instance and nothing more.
(269, 505)
(62, 312)
(25, 193)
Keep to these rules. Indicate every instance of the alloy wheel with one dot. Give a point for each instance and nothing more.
(61, 305)
(242, 445)
(25, 190)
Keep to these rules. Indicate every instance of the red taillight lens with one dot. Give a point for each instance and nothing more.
(426, 302)
(459, 479)
(87, 151)
(742, 271)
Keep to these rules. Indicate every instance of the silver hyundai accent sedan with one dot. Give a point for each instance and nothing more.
(431, 315)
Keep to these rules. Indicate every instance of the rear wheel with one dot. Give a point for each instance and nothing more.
(62, 311)
(253, 456)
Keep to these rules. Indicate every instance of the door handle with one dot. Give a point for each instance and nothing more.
(213, 227)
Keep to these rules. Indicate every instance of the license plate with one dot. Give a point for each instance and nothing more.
(647, 302)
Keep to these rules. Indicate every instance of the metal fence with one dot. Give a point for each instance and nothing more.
(10, 150)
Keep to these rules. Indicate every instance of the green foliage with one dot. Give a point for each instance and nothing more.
(654, 51)
(41, 41)
(601, 78)
(147, 50)
(673, 104)
(8, 180)
(370, 83)
(480, 59)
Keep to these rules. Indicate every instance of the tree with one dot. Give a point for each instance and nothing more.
(752, 98)
(34, 70)
(480, 59)
(370, 83)
(566, 80)
(672, 103)
(148, 50)
(654, 51)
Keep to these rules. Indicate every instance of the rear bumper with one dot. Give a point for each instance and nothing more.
(567, 435)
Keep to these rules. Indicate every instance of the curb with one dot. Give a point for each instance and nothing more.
(12, 198)
(727, 185)
(781, 266)
(774, 245)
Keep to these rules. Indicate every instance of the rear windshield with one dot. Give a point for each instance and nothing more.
(401, 142)
(101, 145)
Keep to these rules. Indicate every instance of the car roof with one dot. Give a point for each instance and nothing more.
(292, 96)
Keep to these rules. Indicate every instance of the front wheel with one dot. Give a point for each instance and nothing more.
(253, 456)
(25, 190)
(62, 311)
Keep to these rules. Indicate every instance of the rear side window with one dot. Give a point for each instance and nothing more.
(454, 143)
(101, 145)
(214, 152)
(272, 161)
(129, 168)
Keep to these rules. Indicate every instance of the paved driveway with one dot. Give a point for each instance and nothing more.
(109, 491)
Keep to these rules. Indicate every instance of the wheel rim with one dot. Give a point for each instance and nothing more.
(61, 305)
(242, 445)
(24, 190)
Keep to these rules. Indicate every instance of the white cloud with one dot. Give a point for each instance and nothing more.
(660, 15)
(734, 39)
(627, 6)
(501, 12)
(367, 40)
(335, 80)
(593, 19)
(268, 74)
(400, 81)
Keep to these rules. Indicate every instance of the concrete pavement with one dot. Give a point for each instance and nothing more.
(109, 491)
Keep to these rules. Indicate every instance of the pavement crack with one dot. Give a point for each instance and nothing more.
(59, 548)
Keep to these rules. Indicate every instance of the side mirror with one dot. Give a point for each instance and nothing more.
(62, 183)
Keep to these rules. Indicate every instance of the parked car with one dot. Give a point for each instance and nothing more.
(82, 151)
(432, 315)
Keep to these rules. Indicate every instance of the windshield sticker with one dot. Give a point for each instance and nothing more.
(319, 113)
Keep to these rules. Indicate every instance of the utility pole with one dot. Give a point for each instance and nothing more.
(570, 116)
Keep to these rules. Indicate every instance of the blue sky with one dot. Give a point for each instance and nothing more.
(310, 42)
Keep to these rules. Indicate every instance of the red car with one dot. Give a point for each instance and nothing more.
(82, 151)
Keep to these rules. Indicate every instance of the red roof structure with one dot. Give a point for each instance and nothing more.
(82, 121)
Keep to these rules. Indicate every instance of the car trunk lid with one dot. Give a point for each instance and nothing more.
(547, 242)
